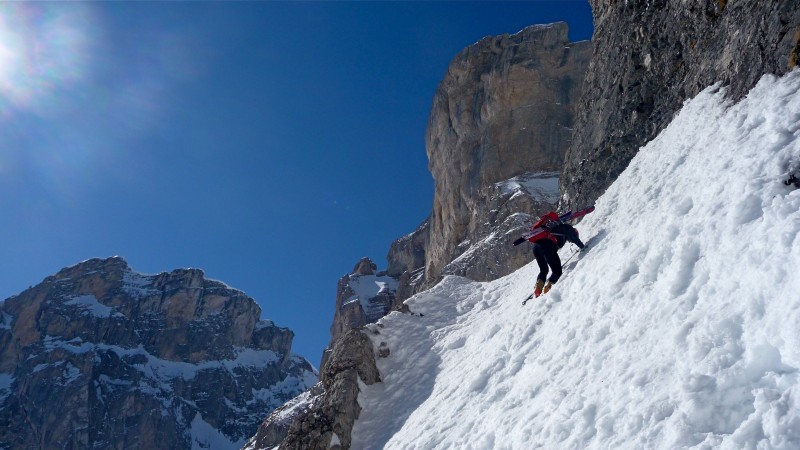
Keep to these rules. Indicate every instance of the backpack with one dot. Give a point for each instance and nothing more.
(541, 229)
(547, 221)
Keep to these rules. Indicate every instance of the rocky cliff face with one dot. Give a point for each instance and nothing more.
(508, 209)
(99, 356)
(407, 261)
(362, 297)
(323, 418)
(325, 415)
(505, 108)
(652, 55)
(407, 254)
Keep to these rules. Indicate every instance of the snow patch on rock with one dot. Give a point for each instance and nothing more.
(539, 185)
(91, 306)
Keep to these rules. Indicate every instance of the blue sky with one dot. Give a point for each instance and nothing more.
(270, 144)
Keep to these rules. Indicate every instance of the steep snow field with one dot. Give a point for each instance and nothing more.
(678, 328)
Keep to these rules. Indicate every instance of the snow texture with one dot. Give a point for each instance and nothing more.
(162, 378)
(539, 185)
(366, 288)
(206, 437)
(91, 306)
(677, 328)
(291, 408)
(6, 380)
(335, 441)
(5, 320)
(139, 285)
(162, 369)
(287, 386)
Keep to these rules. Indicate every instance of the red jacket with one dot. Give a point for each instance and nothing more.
(543, 222)
(540, 229)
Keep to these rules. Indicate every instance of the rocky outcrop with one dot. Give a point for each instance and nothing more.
(505, 107)
(274, 429)
(362, 297)
(324, 418)
(407, 262)
(365, 266)
(407, 254)
(652, 55)
(124, 360)
(504, 216)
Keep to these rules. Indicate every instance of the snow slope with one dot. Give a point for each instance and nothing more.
(678, 328)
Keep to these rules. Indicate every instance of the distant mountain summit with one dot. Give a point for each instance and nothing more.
(99, 356)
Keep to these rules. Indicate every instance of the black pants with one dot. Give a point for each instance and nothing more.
(546, 253)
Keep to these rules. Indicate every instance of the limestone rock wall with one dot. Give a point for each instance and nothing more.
(362, 297)
(323, 419)
(507, 211)
(407, 262)
(652, 55)
(407, 254)
(505, 107)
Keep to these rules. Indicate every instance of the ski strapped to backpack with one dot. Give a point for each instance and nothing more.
(566, 217)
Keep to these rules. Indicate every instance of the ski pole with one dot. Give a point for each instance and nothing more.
(570, 257)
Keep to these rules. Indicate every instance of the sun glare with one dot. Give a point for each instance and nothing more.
(43, 47)
(9, 53)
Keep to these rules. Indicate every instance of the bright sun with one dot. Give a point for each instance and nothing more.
(43, 47)
(9, 52)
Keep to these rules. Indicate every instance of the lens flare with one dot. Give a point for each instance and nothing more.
(83, 88)
(43, 47)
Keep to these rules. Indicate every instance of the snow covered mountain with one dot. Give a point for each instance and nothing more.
(677, 328)
(126, 360)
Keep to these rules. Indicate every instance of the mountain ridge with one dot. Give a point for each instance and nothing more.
(182, 360)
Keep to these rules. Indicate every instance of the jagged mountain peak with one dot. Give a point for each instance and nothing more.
(365, 266)
(112, 263)
(117, 345)
(181, 295)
